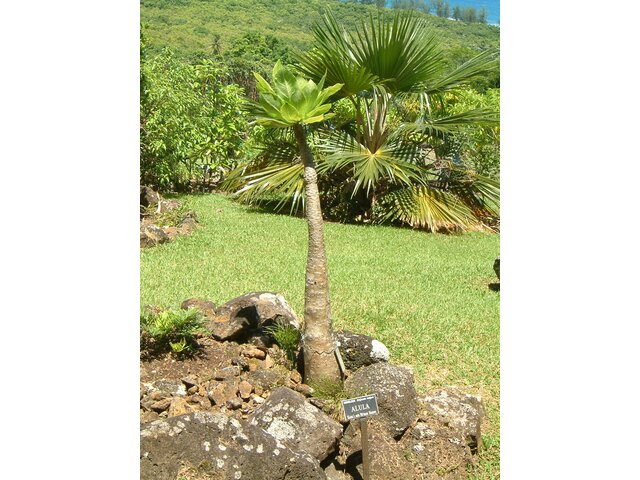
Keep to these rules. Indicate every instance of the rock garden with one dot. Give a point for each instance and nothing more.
(222, 397)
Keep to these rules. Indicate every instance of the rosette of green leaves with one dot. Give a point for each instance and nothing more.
(291, 99)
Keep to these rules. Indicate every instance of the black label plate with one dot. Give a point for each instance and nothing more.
(360, 407)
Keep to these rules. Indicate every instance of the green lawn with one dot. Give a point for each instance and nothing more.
(425, 296)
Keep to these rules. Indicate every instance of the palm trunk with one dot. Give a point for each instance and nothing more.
(317, 339)
(372, 202)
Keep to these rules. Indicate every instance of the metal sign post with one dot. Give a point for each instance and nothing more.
(364, 435)
(362, 408)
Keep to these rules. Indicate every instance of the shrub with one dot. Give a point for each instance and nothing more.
(190, 119)
(478, 145)
(171, 330)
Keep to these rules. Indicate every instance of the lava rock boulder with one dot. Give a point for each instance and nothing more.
(205, 307)
(393, 386)
(360, 350)
(148, 196)
(152, 235)
(462, 411)
(250, 313)
(302, 427)
(212, 445)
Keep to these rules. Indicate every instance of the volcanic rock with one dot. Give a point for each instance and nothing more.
(242, 315)
(299, 425)
(360, 350)
(216, 446)
(395, 393)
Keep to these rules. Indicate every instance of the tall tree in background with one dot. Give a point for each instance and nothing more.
(292, 102)
(469, 15)
(441, 8)
(482, 16)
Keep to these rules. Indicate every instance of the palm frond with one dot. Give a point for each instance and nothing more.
(333, 57)
(425, 207)
(400, 53)
(439, 127)
(477, 66)
(284, 179)
(283, 182)
(480, 193)
(397, 54)
(275, 172)
(391, 161)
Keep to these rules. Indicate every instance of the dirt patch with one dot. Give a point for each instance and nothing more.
(221, 376)
(210, 356)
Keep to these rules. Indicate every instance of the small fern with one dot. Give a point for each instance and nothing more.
(287, 338)
(179, 347)
(171, 330)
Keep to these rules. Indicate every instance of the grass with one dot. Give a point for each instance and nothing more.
(425, 296)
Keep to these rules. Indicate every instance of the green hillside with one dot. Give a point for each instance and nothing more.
(205, 26)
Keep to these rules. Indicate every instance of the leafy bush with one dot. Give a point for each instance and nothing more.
(476, 145)
(189, 119)
(171, 330)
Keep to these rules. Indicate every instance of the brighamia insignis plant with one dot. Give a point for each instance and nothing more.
(293, 102)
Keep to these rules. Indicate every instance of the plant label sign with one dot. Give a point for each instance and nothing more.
(360, 407)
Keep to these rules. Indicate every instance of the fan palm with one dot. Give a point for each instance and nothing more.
(293, 102)
(391, 164)
(382, 64)
(402, 56)
(380, 61)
